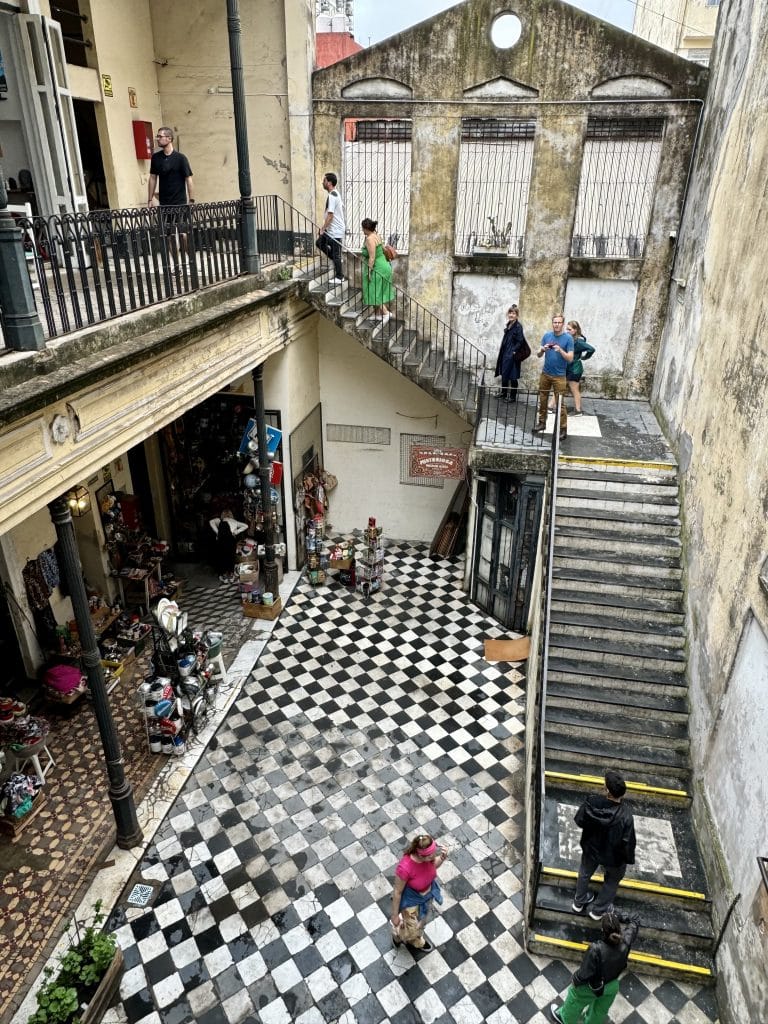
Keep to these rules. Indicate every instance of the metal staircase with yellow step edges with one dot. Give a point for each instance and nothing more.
(616, 697)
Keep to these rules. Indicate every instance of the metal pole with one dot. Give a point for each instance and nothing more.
(21, 323)
(120, 793)
(270, 565)
(249, 253)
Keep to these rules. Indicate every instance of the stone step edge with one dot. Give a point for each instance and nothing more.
(635, 884)
(590, 462)
(635, 956)
(632, 786)
(577, 694)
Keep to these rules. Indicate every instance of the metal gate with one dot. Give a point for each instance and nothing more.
(509, 510)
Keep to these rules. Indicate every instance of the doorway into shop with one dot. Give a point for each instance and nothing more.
(509, 511)
(90, 155)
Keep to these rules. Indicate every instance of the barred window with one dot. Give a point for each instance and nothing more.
(618, 180)
(495, 162)
(377, 179)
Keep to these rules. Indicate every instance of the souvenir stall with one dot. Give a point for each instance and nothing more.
(22, 746)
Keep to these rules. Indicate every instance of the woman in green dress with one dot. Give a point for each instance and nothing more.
(377, 272)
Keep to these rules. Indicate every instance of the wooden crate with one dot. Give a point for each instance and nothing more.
(263, 611)
(13, 827)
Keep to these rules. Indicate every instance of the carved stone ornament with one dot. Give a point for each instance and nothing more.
(60, 428)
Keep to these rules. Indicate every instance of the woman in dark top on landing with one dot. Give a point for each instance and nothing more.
(508, 363)
(596, 982)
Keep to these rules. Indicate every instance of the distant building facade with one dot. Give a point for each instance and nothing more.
(685, 27)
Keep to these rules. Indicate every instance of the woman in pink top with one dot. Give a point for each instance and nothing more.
(415, 888)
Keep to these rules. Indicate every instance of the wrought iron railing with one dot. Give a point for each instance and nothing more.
(415, 337)
(504, 423)
(89, 267)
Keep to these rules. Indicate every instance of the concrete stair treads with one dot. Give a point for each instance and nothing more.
(658, 958)
(601, 579)
(578, 621)
(432, 363)
(586, 723)
(635, 500)
(620, 675)
(610, 751)
(668, 784)
(641, 890)
(402, 341)
(583, 557)
(610, 650)
(689, 926)
(642, 705)
(566, 595)
(608, 519)
(599, 480)
(581, 537)
(416, 353)
(666, 854)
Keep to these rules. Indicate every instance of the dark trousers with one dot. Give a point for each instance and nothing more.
(613, 875)
(509, 390)
(331, 247)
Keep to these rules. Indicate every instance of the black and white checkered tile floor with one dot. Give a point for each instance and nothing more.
(362, 724)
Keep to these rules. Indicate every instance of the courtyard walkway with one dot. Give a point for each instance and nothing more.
(271, 874)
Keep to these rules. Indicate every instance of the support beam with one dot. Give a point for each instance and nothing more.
(129, 833)
(270, 565)
(249, 253)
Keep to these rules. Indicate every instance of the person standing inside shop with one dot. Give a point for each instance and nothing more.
(171, 170)
(227, 529)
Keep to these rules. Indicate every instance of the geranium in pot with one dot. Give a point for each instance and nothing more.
(86, 980)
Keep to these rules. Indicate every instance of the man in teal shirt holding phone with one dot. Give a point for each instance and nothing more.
(557, 349)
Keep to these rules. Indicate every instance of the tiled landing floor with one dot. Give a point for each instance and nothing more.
(361, 725)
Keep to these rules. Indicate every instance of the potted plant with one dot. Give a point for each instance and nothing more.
(87, 979)
(496, 242)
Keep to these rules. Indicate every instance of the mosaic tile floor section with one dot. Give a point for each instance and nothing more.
(362, 724)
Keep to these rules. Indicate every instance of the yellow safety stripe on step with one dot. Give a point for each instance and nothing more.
(630, 883)
(627, 463)
(598, 780)
(640, 958)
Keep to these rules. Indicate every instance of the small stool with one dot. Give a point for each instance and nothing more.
(218, 661)
(33, 754)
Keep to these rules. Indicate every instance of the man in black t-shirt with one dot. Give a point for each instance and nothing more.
(171, 169)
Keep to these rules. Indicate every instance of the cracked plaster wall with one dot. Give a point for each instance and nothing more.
(561, 57)
(711, 388)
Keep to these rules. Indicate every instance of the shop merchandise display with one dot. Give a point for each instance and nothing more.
(369, 562)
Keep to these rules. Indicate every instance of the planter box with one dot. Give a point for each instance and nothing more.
(106, 992)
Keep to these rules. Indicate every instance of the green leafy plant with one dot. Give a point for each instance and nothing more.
(81, 969)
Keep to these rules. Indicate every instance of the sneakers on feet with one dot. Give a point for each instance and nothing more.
(426, 948)
(337, 280)
(563, 434)
(554, 1013)
(577, 414)
(579, 908)
(540, 428)
(598, 915)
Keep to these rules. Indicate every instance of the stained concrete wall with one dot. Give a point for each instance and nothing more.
(711, 389)
(565, 67)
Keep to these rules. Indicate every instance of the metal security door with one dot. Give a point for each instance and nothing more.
(509, 510)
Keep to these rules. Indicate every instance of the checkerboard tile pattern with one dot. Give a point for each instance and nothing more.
(362, 724)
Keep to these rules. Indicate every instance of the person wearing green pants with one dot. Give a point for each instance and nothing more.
(596, 982)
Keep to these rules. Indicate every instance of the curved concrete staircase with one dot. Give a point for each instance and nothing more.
(617, 697)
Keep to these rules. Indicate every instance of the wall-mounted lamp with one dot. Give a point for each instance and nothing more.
(79, 501)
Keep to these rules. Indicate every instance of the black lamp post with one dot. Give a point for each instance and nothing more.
(21, 322)
(120, 793)
(249, 253)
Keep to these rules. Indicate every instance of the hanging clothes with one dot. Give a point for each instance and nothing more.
(35, 585)
(49, 567)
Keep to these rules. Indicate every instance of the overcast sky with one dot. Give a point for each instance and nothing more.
(377, 19)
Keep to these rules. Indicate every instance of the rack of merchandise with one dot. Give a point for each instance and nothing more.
(369, 562)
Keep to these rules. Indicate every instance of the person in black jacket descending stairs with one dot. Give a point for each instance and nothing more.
(607, 838)
(596, 982)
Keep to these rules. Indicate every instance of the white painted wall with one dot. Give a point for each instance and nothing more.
(359, 388)
(605, 310)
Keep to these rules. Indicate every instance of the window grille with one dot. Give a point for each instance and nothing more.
(357, 434)
(495, 163)
(407, 441)
(618, 179)
(699, 54)
(377, 179)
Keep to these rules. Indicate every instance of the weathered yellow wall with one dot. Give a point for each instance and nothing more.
(562, 56)
(711, 387)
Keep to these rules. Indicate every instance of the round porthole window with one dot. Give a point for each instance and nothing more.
(506, 30)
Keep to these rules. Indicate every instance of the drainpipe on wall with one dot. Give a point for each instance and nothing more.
(21, 324)
(120, 793)
(249, 254)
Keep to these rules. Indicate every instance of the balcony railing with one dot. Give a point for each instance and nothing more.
(88, 268)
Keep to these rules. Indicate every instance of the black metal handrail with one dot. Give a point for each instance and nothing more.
(89, 267)
(414, 335)
(506, 423)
